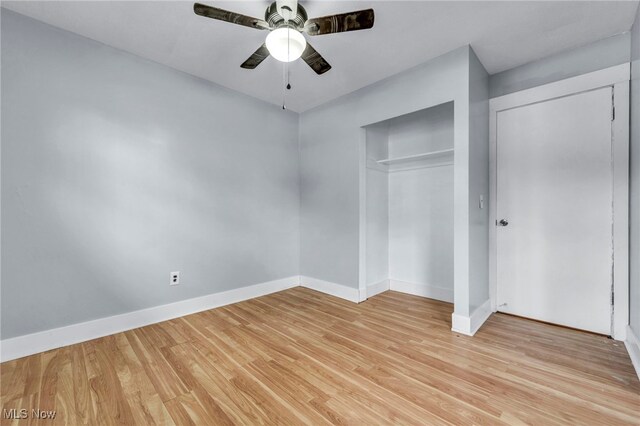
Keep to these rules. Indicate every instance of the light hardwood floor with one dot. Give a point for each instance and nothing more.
(301, 357)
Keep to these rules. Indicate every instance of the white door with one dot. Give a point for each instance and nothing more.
(554, 188)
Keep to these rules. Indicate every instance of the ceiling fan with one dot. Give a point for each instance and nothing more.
(286, 20)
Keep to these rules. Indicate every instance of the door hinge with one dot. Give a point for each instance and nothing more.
(612, 298)
(613, 104)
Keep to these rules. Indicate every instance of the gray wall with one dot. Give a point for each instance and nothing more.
(117, 171)
(478, 183)
(422, 131)
(421, 226)
(377, 218)
(591, 57)
(634, 216)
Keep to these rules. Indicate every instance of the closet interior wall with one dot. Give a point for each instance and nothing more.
(410, 203)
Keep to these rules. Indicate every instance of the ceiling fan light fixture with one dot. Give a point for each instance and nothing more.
(286, 44)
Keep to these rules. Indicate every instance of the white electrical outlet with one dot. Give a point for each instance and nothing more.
(174, 278)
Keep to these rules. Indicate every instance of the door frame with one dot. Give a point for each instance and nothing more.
(617, 77)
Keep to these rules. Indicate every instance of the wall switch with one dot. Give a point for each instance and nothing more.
(481, 203)
(175, 278)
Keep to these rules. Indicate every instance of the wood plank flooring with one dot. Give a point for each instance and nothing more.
(302, 357)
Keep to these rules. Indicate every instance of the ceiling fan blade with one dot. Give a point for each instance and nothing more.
(352, 21)
(225, 15)
(257, 58)
(315, 60)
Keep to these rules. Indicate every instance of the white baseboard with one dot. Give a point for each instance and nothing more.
(469, 325)
(633, 347)
(342, 291)
(424, 290)
(377, 288)
(29, 344)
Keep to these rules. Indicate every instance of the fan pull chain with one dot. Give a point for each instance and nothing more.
(288, 57)
(284, 79)
(286, 75)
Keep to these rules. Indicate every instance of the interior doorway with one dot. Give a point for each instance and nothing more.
(555, 211)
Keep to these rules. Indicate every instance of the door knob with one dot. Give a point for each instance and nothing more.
(503, 222)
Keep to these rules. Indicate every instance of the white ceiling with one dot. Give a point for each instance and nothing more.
(503, 34)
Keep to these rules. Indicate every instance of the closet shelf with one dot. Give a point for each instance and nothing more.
(417, 157)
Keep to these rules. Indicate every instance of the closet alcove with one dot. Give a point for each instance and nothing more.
(409, 203)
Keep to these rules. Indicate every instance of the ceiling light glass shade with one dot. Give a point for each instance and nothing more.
(286, 44)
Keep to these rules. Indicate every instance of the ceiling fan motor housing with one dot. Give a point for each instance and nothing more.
(276, 20)
(287, 8)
